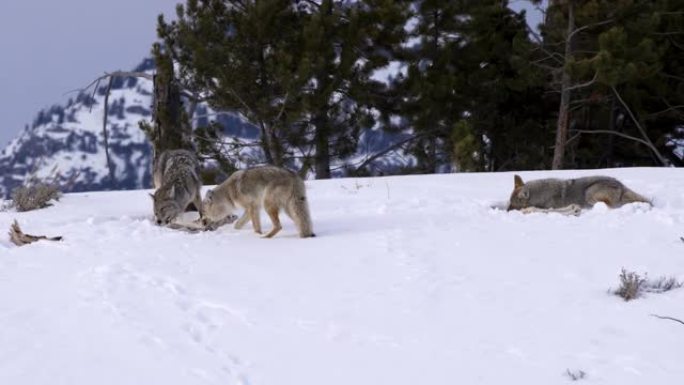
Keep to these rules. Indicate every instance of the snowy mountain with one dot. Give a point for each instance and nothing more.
(410, 280)
(68, 138)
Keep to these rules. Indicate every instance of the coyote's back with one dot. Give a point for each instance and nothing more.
(177, 179)
(583, 192)
(270, 187)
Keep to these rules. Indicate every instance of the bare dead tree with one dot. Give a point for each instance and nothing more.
(110, 76)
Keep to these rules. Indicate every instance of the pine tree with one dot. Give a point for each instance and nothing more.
(342, 43)
(431, 103)
(242, 55)
(506, 122)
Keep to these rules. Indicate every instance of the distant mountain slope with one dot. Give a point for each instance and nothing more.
(68, 138)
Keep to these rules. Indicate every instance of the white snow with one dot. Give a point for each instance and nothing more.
(411, 280)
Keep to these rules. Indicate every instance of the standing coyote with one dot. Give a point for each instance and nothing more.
(176, 177)
(274, 187)
(570, 195)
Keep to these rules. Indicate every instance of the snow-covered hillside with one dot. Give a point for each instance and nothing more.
(411, 280)
(69, 139)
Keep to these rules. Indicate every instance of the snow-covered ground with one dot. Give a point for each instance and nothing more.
(411, 280)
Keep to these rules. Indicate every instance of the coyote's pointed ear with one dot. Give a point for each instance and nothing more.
(172, 191)
(517, 181)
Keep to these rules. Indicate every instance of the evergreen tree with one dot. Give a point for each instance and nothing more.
(506, 125)
(431, 101)
(242, 56)
(342, 48)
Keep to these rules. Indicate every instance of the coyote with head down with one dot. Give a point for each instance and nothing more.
(270, 187)
(177, 180)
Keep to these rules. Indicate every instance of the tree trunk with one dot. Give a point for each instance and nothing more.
(266, 143)
(563, 110)
(611, 126)
(321, 141)
(170, 130)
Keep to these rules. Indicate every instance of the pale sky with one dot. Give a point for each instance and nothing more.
(49, 47)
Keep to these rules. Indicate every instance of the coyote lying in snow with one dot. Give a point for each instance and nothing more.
(570, 196)
(176, 177)
(274, 187)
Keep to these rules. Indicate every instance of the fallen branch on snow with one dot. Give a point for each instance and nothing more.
(20, 239)
(668, 318)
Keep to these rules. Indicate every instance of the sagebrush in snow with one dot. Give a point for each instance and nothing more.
(662, 285)
(575, 375)
(35, 196)
(632, 285)
(37, 193)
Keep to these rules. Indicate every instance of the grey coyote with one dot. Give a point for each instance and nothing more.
(176, 177)
(570, 195)
(274, 187)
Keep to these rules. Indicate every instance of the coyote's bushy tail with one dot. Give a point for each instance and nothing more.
(630, 196)
(298, 209)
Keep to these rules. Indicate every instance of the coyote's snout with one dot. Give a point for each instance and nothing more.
(176, 177)
(273, 187)
(552, 194)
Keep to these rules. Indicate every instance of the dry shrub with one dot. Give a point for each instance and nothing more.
(632, 285)
(576, 375)
(37, 193)
(662, 285)
(35, 196)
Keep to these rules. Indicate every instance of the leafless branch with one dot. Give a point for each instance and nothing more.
(670, 108)
(681, 79)
(282, 108)
(661, 158)
(586, 84)
(668, 318)
(616, 133)
(128, 74)
(674, 43)
(387, 150)
(592, 25)
(96, 83)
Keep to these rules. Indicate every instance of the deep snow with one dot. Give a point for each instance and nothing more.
(411, 280)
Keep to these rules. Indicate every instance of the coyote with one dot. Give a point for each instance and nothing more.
(274, 187)
(176, 177)
(569, 196)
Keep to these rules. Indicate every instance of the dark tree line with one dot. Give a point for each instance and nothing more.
(474, 87)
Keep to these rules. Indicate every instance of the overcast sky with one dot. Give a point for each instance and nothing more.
(49, 47)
